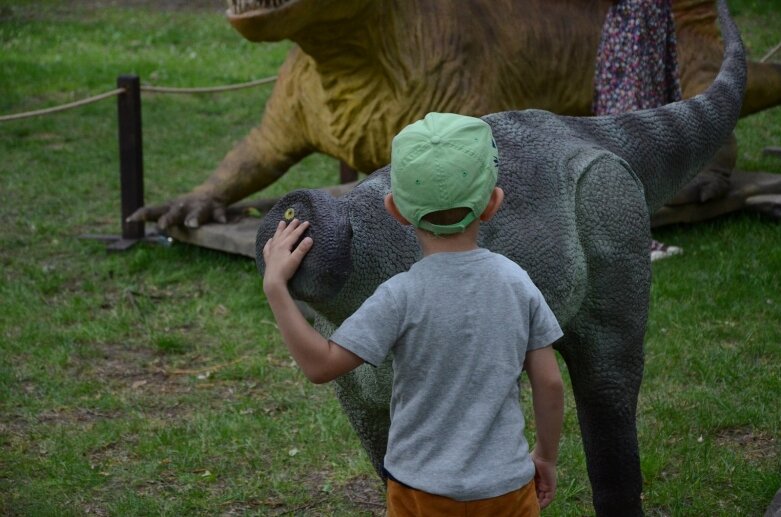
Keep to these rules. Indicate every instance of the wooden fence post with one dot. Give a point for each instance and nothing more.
(131, 159)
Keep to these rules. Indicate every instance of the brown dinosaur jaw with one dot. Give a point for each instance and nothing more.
(274, 20)
(254, 7)
(265, 20)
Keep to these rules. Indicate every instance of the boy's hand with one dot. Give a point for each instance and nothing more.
(281, 254)
(544, 479)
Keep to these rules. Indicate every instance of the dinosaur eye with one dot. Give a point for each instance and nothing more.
(290, 213)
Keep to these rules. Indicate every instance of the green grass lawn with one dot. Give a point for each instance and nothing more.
(154, 382)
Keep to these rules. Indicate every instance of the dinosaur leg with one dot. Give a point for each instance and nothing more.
(606, 400)
(603, 346)
(365, 396)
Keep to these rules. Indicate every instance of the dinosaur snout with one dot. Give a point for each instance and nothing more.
(328, 264)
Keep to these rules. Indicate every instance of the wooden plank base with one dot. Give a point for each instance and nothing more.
(744, 186)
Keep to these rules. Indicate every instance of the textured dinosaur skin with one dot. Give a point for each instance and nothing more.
(363, 69)
(579, 194)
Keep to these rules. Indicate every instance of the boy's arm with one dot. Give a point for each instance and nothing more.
(320, 360)
(548, 401)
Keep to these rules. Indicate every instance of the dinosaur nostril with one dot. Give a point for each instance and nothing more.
(290, 213)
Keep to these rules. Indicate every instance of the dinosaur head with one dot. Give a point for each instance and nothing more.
(274, 20)
(327, 266)
(357, 245)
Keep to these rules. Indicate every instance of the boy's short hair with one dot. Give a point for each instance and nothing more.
(442, 162)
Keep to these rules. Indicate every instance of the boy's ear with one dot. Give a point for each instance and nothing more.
(497, 196)
(390, 206)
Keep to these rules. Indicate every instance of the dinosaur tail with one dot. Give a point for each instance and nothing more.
(668, 145)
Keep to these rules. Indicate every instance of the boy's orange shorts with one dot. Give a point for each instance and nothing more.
(408, 502)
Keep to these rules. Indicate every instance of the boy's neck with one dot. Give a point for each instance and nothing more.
(466, 241)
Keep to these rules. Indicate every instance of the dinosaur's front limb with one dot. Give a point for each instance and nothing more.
(364, 395)
(603, 344)
(253, 164)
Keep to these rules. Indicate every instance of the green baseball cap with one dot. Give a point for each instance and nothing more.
(441, 162)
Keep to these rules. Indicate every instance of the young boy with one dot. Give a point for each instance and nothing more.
(462, 323)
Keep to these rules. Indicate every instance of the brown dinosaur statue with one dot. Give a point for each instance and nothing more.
(363, 69)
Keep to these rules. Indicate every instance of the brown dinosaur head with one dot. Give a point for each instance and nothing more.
(274, 20)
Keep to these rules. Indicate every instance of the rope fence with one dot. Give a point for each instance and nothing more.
(150, 89)
(63, 107)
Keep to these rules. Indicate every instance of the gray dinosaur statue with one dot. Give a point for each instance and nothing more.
(579, 191)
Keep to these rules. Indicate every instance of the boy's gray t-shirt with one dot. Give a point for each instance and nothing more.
(459, 325)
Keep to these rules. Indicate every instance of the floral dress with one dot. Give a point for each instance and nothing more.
(637, 66)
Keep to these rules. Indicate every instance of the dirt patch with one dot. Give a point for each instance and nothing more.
(119, 362)
(755, 447)
(69, 415)
(166, 386)
(366, 493)
(95, 509)
(125, 368)
(135, 375)
(107, 456)
(239, 508)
